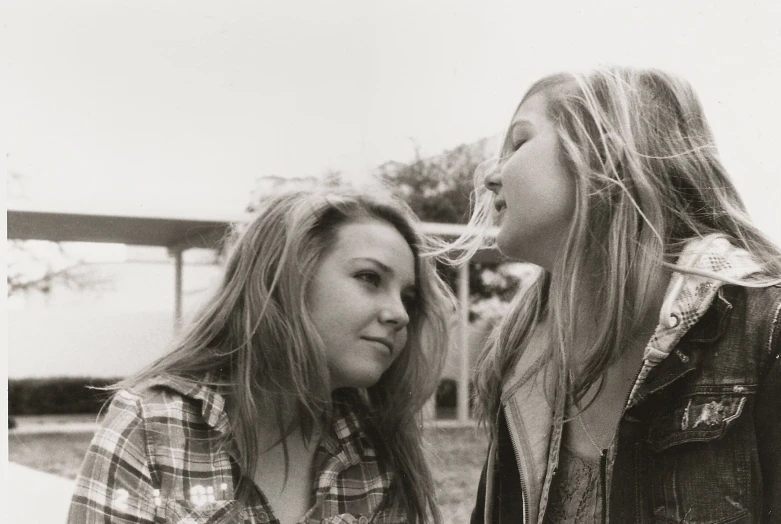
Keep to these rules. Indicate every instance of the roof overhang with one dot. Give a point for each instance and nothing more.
(30, 223)
(58, 226)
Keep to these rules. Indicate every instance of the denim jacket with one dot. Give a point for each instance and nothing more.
(702, 442)
(698, 442)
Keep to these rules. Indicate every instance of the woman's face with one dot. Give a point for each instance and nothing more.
(535, 195)
(359, 298)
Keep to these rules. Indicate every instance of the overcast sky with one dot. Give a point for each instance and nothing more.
(142, 106)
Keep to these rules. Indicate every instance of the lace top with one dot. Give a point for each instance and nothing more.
(574, 494)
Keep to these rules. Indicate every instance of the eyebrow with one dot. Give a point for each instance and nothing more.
(523, 125)
(386, 268)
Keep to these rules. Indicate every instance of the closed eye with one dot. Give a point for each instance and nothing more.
(517, 145)
(511, 147)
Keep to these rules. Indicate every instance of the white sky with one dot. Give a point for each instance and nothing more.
(144, 105)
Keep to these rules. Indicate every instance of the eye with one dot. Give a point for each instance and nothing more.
(512, 146)
(369, 277)
(516, 145)
(410, 302)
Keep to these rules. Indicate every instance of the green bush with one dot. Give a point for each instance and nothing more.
(446, 393)
(75, 395)
(57, 396)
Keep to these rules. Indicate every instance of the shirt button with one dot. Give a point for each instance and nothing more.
(263, 517)
(363, 520)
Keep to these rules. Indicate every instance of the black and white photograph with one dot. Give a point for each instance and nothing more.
(447, 262)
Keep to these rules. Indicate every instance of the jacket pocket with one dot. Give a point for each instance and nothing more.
(700, 460)
(702, 418)
(219, 512)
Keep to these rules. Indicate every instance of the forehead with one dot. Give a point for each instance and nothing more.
(378, 240)
(534, 110)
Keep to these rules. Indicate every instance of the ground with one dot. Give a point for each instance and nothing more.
(456, 457)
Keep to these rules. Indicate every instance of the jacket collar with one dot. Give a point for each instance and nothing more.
(690, 313)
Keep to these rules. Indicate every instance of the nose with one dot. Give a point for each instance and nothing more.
(493, 181)
(394, 313)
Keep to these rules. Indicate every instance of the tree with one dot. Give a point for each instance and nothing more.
(271, 185)
(36, 266)
(438, 189)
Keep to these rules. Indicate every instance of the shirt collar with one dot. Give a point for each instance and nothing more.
(347, 439)
(346, 442)
(212, 403)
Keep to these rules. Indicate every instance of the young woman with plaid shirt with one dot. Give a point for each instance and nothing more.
(294, 395)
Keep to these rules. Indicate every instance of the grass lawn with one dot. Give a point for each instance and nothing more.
(58, 453)
(456, 457)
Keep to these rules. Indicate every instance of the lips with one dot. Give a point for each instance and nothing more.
(500, 205)
(384, 341)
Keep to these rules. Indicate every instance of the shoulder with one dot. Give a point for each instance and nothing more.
(133, 414)
(153, 438)
(757, 310)
(744, 323)
(757, 299)
(768, 310)
(117, 469)
(148, 403)
(153, 416)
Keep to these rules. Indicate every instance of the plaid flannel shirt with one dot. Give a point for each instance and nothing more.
(160, 457)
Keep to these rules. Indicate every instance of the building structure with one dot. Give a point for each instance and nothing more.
(178, 235)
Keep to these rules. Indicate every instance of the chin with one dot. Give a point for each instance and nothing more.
(366, 382)
(509, 248)
(357, 380)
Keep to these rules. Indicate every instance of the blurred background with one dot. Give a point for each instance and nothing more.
(196, 110)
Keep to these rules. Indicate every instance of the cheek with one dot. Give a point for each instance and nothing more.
(401, 342)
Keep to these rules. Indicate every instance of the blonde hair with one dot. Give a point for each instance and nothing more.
(648, 178)
(255, 343)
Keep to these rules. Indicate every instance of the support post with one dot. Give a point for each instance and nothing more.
(463, 309)
(177, 254)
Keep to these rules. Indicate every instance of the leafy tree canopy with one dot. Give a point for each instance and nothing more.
(438, 188)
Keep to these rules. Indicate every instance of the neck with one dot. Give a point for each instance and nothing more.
(271, 438)
(586, 320)
(276, 420)
(286, 426)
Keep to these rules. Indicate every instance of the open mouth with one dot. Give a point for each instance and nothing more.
(500, 206)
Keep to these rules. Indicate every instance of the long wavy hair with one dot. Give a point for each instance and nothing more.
(648, 178)
(255, 343)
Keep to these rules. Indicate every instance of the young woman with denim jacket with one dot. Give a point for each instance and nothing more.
(638, 379)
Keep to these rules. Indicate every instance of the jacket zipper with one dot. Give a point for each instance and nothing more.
(604, 453)
(603, 482)
(520, 475)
